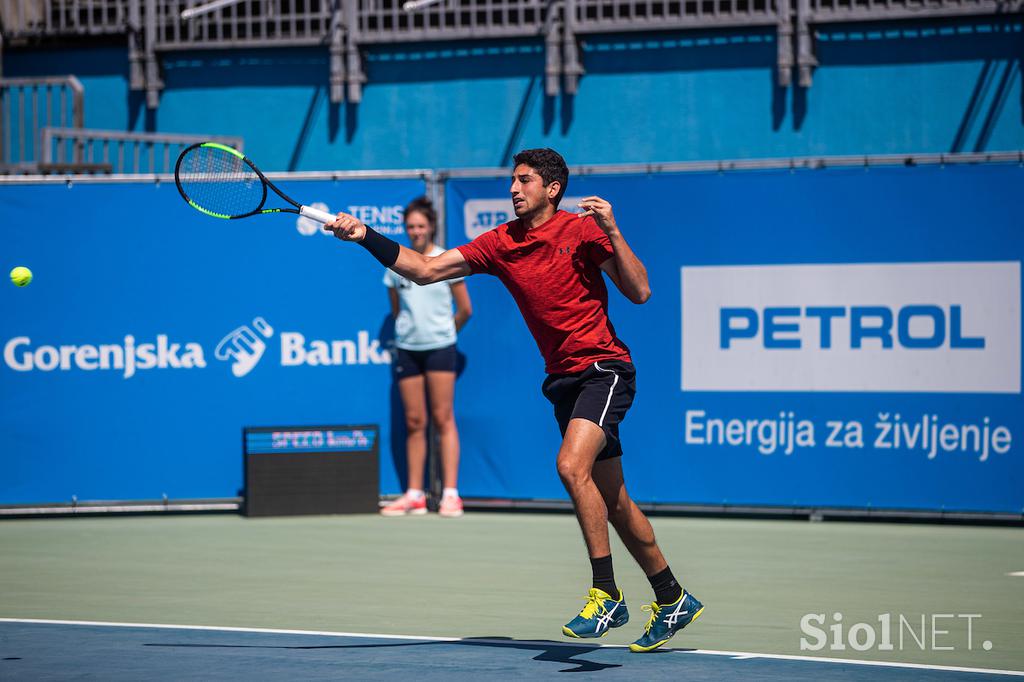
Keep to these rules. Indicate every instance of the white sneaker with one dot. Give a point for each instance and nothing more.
(405, 505)
(451, 506)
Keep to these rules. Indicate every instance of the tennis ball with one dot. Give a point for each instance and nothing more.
(21, 276)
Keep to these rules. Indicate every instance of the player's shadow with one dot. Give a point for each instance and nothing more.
(548, 651)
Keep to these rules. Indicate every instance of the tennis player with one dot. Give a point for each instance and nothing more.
(551, 262)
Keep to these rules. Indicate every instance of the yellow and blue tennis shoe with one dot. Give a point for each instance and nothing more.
(666, 620)
(600, 614)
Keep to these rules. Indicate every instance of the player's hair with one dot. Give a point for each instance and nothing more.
(426, 207)
(549, 164)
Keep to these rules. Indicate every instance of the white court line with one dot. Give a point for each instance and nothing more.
(707, 652)
(1016, 574)
(887, 664)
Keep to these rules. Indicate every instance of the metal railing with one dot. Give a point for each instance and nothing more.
(866, 10)
(647, 15)
(27, 105)
(109, 151)
(817, 12)
(42, 130)
(22, 18)
(345, 26)
(437, 177)
(249, 23)
(384, 21)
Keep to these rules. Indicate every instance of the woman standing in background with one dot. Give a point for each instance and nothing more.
(424, 364)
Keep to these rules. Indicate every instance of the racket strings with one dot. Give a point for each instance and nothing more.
(221, 183)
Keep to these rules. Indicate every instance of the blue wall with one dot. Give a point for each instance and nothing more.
(914, 87)
(891, 237)
(155, 267)
(924, 87)
(895, 237)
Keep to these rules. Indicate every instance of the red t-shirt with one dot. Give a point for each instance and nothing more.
(553, 272)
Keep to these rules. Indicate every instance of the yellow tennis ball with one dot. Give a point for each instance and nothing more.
(21, 276)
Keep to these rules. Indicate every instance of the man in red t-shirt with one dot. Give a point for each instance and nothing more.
(551, 262)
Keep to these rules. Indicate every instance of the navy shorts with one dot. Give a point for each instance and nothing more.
(602, 393)
(410, 363)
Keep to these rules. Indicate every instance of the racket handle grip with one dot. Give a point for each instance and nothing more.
(316, 214)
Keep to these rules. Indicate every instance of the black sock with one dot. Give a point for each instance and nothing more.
(604, 576)
(666, 589)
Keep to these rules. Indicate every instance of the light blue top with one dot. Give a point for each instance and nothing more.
(425, 318)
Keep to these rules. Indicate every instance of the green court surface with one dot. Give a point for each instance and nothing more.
(521, 576)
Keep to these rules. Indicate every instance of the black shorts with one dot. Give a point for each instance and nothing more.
(602, 393)
(410, 363)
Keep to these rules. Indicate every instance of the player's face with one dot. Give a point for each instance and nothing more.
(529, 193)
(418, 228)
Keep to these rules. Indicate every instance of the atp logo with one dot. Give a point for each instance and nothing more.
(481, 215)
(244, 347)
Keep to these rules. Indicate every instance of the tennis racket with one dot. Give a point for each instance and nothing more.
(223, 183)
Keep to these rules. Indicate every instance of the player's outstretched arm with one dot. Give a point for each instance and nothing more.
(408, 263)
(422, 269)
(624, 268)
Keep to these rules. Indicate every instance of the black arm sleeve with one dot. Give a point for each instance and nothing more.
(380, 247)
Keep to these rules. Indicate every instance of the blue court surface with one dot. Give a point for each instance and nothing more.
(64, 650)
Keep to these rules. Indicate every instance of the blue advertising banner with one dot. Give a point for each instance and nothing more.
(836, 338)
(151, 335)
